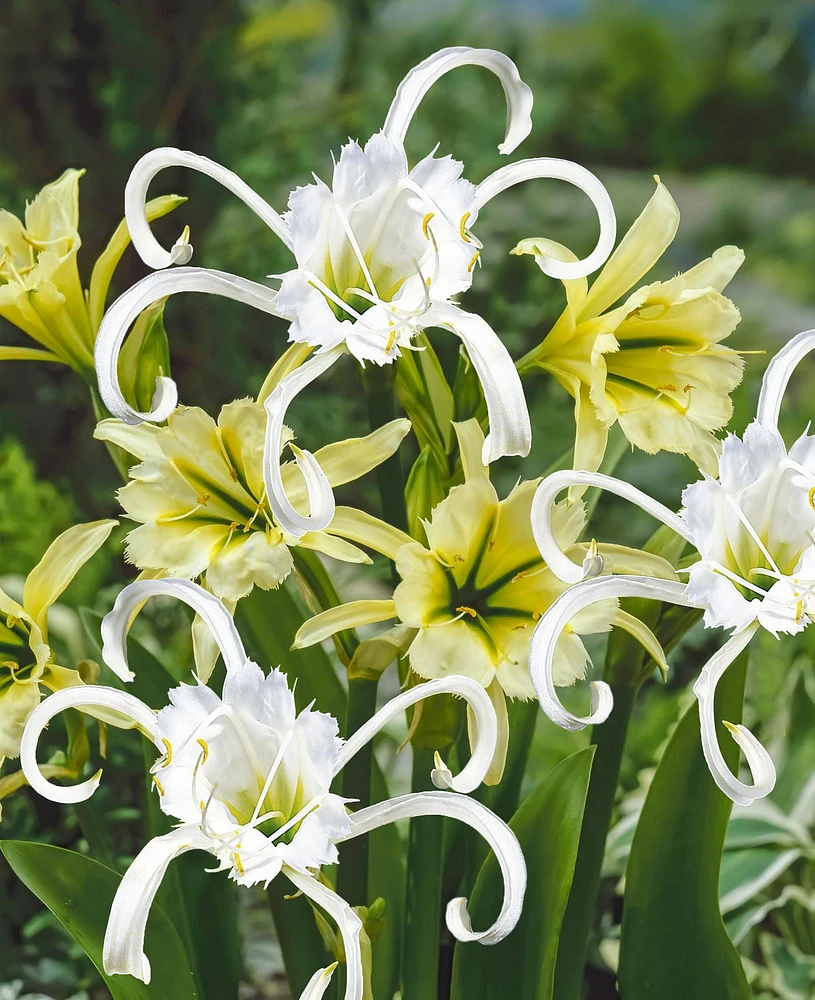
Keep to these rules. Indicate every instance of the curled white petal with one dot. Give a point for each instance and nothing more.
(422, 77)
(118, 319)
(510, 429)
(348, 923)
(758, 760)
(542, 505)
(147, 246)
(123, 949)
(497, 834)
(473, 773)
(777, 376)
(116, 624)
(81, 696)
(551, 625)
(318, 984)
(563, 170)
(320, 494)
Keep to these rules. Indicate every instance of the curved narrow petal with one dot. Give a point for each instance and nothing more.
(130, 304)
(495, 772)
(152, 163)
(358, 526)
(758, 760)
(318, 488)
(551, 625)
(421, 78)
(116, 624)
(123, 949)
(319, 983)
(510, 429)
(777, 376)
(483, 750)
(346, 920)
(470, 439)
(350, 615)
(497, 834)
(554, 557)
(92, 696)
(644, 636)
(573, 173)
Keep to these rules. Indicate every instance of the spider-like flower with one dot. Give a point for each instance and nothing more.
(249, 779)
(754, 531)
(651, 359)
(379, 256)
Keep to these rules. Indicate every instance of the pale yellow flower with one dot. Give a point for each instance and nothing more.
(202, 509)
(40, 288)
(26, 659)
(654, 363)
(474, 592)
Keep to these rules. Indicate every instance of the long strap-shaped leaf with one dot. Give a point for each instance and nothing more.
(547, 825)
(674, 944)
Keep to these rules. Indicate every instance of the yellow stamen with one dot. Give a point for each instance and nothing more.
(811, 498)
(203, 499)
(462, 228)
(391, 342)
(205, 747)
(425, 223)
(799, 612)
(168, 747)
(464, 610)
(158, 785)
(239, 863)
(471, 265)
(667, 387)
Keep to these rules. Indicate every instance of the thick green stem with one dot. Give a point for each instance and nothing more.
(352, 874)
(609, 739)
(420, 951)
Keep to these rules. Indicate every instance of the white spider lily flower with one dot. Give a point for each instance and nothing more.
(753, 529)
(379, 255)
(249, 779)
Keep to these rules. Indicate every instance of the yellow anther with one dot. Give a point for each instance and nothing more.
(205, 747)
(203, 499)
(799, 611)
(233, 474)
(202, 805)
(239, 863)
(520, 628)
(391, 342)
(168, 748)
(667, 387)
(471, 265)
(428, 282)
(462, 227)
(158, 785)
(811, 498)
(426, 223)
(464, 610)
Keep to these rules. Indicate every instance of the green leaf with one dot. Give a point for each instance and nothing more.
(548, 826)
(674, 943)
(79, 892)
(267, 621)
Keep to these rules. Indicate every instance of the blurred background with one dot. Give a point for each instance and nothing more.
(716, 96)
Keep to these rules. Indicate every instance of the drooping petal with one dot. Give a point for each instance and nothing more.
(205, 649)
(318, 488)
(478, 701)
(495, 772)
(63, 559)
(573, 173)
(497, 834)
(123, 949)
(422, 77)
(510, 430)
(641, 247)
(29, 354)
(144, 293)
(116, 623)
(115, 705)
(347, 921)
(644, 636)
(543, 504)
(349, 615)
(147, 246)
(319, 983)
(777, 376)
(542, 651)
(758, 760)
(348, 522)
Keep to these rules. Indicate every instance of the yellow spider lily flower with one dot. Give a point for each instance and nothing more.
(655, 362)
(40, 288)
(26, 658)
(474, 592)
(202, 507)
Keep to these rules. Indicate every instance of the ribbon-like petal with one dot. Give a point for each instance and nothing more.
(777, 376)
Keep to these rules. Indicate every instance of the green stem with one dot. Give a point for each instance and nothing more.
(420, 952)
(300, 942)
(609, 739)
(381, 402)
(352, 874)
(319, 582)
